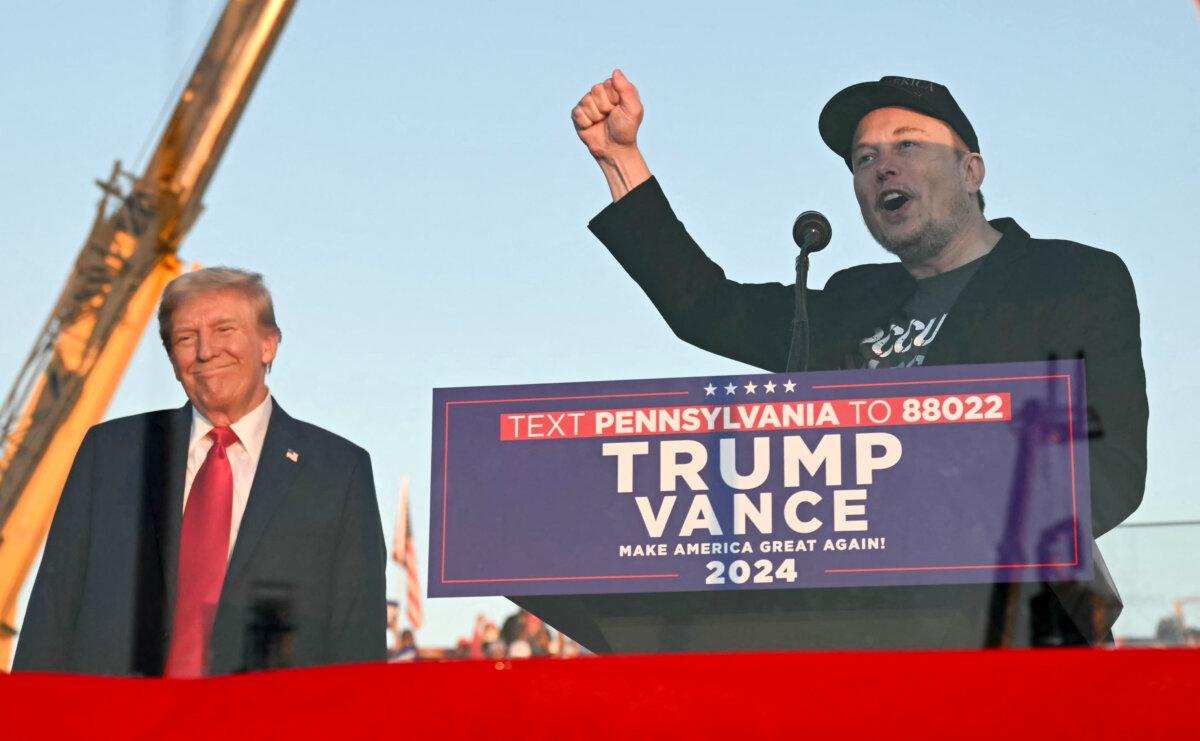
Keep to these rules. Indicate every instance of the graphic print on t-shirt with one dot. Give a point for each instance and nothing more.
(900, 346)
(904, 339)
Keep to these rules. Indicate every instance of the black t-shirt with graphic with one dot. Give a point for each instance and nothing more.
(915, 325)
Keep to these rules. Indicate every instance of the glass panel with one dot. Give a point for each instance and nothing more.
(442, 202)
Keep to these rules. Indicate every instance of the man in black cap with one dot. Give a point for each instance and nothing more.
(965, 289)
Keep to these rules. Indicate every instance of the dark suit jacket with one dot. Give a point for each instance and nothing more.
(104, 595)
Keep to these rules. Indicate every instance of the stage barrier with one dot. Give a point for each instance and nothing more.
(1086, 693)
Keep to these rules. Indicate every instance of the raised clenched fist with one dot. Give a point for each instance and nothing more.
(607, 118)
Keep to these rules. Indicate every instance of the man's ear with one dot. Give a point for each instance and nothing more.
(973, 171)
(270, 348)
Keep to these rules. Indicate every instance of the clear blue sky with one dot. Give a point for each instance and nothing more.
(407, 178)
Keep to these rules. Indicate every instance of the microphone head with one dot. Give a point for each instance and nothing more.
(811, 231)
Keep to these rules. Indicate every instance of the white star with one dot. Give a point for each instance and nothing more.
(769, 387)
(710, 390)
(730, 389)
(789, 387)
(750, 387)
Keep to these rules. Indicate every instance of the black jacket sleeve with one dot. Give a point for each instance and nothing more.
(358, 608)
(747, 322)
(1118, 412)
(48, 629)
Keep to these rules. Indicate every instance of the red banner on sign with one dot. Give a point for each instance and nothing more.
(786, 415)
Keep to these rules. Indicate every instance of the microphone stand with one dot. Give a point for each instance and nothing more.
(811, 232)
(798, 352)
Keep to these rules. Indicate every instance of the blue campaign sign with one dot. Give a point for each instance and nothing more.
(940, 475)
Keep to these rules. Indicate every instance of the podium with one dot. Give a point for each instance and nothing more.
(912, 508)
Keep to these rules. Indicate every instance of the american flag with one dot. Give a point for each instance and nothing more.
(404, 553)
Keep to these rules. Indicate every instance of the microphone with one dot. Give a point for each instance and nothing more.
(811, 231)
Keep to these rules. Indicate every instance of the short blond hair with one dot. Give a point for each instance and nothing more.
(211, 280)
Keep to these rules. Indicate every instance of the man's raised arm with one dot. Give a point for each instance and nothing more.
(607, 120)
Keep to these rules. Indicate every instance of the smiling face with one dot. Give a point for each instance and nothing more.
(220, 354)
(915, 182)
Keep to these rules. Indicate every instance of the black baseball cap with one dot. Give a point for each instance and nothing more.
(840, 116)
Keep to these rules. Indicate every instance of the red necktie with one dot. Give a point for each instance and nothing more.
(203, 553)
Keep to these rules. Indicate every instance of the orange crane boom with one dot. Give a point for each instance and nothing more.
(82, 351)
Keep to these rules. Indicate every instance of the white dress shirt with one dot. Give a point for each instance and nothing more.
(251, 429)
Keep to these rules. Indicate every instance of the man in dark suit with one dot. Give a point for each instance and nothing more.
(217, 537)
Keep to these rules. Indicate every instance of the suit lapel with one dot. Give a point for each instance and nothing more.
(980, 303)
(872, 306)
(278, 465)
(168, 457)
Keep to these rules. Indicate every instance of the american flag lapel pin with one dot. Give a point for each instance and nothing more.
(292, 456)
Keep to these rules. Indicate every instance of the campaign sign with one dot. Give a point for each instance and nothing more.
(951, 474)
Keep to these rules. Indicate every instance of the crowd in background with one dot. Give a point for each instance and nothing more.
(521, 636)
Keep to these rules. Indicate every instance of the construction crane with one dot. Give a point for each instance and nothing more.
(130, 255)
